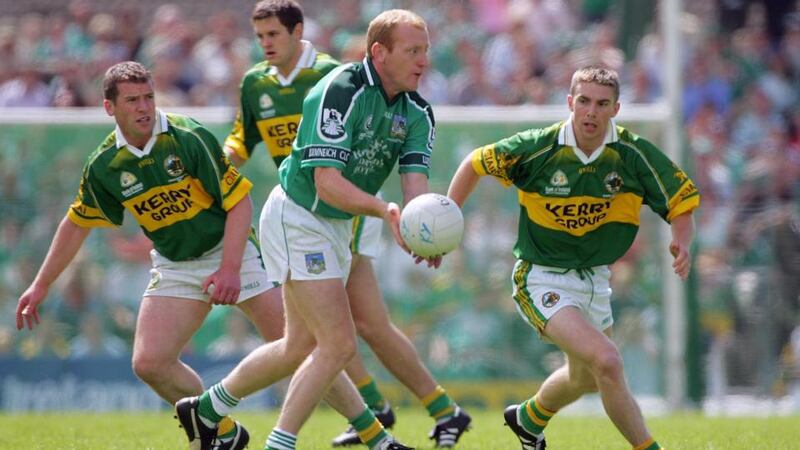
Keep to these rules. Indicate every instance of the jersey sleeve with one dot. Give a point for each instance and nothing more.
(244, 136)
(415, 154)
(501, 159)
(218, 176)
(94, 207)
(326, 140)
(668, 191)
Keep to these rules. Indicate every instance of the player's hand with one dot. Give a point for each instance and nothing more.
(682, 259)
(392, 217)
(223, 287)
(27, 312)
(433, 261)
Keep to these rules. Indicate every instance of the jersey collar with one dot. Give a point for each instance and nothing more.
(161, 126)
(372, 78)
(566, 136)
(306, 60)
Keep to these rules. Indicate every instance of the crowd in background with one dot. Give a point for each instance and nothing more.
(742, 135)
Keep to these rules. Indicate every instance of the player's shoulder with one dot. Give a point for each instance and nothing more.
(421, 105)
(341, 85)
(325, 63)
(258, 71)
(630, 141)
(537, 138)
(182, 122)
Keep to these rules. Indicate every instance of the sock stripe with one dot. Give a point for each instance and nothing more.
(371, 432)
(428, 399)
(281, 440)
(531, 412)
(223, 395)
(540, 412)
(362, 383)
(649, 444)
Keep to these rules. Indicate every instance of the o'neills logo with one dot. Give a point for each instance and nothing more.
(174, 166)
(164, 205)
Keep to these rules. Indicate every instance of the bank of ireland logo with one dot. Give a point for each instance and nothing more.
(315, 263)
(550, 299)
(126, 179)
(559, 179)
(265, 101)
(613, 182)
(332, 124)
(174, 166)
(398, 127)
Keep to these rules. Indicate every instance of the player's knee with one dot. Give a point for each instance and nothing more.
(607, 365)
(341, 351)
(585, 382)
(147, 368)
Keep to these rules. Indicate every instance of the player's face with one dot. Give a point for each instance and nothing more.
(593, 105)
(134, 110)
(407, 61)
(280, 47)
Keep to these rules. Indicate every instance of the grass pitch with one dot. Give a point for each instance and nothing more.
(122, 431)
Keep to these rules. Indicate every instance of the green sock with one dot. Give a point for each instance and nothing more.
(649, 444)
(439, 404)
(216, 403)
(533, 416)
(370, 393)
(369, 429)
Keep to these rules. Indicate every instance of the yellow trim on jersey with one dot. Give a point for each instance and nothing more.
(485, 161)
(234, 187)
(162, 206)
(86, 216)
(278, 133)
(580, 215)
(235, 140)
(684, 201)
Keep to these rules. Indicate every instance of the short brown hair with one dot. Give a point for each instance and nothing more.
(598, 75)
(288, 12)
(124, 72)
(382, 27)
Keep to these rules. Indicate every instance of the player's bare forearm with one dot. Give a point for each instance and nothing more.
(463, 182)
(237, 227)
(339, 192)
(682, 228)
(413, 184)
(67, 241)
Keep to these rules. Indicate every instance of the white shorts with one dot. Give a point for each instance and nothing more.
(367, 236)
(302, 245)
(541, 291)
(183, 279)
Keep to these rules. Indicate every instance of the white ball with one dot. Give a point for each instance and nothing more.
(431, 225)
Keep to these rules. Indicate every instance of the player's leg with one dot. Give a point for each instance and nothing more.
(265, 311)
(163, 328)
(583, 343)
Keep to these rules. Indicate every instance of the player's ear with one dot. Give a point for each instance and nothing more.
(109, 106)
(377, 51)
(298, 30)
(570, 101)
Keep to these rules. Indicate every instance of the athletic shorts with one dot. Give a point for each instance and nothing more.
(367, 236)
(184, 279)
(301, 245)
(542, 291)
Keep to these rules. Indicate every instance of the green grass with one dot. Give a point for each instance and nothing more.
(160, 431)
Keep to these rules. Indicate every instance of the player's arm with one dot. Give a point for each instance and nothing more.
(227, 280)
(682, 228)
(236, 160)
(337, 191)
(67, 241)
(464, 181)
(413, 184)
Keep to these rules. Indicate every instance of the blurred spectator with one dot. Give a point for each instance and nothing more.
(93, 341)
(239, 339)
(27, 89)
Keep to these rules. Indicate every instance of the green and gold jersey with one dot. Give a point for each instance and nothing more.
(578, 211)
(178, 188)
(349, 124)
(271, 105)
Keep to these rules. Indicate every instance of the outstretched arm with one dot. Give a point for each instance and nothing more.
(682, 234)
(67, 241)
(463, 182)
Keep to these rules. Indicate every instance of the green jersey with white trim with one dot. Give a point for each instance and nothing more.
(349, 124)
(578, 211)
(179, 188)
(271, 105)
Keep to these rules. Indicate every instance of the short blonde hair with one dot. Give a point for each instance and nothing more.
(382, 27)
(598, 75)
